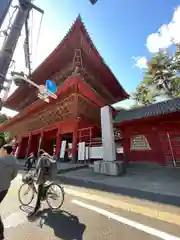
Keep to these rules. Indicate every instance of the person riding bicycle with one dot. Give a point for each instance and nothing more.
(45, 170)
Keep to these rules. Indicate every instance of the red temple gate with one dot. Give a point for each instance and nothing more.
(85, 84)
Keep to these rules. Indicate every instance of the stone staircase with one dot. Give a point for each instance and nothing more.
(171, 164)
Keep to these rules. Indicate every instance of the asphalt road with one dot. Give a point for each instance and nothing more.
(90, 215)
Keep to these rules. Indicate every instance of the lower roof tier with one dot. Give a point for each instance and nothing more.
(75, 100)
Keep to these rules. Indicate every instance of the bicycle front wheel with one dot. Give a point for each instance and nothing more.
(55, 196)
(26, 194)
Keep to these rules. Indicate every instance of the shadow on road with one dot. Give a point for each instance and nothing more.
(65, 225)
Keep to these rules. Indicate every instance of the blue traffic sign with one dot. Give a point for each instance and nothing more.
(51, 86)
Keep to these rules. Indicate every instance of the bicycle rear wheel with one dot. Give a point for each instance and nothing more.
(55, 196)
(26, 194)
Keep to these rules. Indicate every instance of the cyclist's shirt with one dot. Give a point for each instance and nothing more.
(46, 168)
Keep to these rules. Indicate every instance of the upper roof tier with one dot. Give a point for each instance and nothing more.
(75, 50)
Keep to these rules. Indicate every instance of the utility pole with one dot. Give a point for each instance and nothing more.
(10, 43)
(5, 4)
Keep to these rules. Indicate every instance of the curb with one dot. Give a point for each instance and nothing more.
(71, 169)
(145, 195)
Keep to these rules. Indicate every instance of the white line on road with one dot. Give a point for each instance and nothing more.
(139, 226)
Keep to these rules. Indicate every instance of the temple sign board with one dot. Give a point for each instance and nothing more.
(47, 90)
(51, 86)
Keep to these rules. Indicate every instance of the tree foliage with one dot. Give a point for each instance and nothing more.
(161, 79)
(4, 137)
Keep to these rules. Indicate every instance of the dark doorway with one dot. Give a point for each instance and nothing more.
(48, 143)
(23, 148)
(34, 144)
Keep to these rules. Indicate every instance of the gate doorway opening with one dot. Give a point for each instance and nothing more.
(48, 142)
(23, 148)
(34, 144)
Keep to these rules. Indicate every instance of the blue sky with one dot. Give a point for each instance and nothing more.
(119, 30)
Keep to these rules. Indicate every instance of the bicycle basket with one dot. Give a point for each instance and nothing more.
(27, 179)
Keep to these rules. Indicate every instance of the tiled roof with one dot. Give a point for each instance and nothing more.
(160, 108)
(77, 37)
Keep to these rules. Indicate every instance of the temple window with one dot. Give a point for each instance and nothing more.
(139, 143)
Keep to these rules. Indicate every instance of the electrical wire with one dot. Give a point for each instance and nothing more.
(13, 64)
(7, 88)
(4, 33)
(32, 21)
(26, 43)
(12, 15)
(38, 36)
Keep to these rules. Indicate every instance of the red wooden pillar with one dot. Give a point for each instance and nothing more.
(29, 145)
(40, 142)
(58, 143)
(74, 143)
(159, 154)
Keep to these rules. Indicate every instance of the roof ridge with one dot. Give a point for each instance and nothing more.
(96, 50)
(156, 109)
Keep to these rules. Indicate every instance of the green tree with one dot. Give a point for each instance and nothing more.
(161, 79)
(3, 118)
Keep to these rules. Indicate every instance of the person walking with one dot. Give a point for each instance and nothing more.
(8, 171)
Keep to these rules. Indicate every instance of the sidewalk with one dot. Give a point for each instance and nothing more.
(157, 184)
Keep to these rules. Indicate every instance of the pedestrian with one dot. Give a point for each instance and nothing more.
(29, 162)
(8, 171)
(14, 144)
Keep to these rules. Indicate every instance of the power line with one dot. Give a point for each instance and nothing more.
(32, 22)
(4, 33)
(26, 47)
(38, 36)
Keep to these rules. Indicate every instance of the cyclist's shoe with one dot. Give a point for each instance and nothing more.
(34, 213)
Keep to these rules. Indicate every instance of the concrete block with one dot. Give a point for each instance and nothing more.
(116, 168)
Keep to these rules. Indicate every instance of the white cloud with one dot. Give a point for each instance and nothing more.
(8, 112)
(166, 35)
(141, 62)
(126, 104)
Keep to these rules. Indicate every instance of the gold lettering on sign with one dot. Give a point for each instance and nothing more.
(139, 143)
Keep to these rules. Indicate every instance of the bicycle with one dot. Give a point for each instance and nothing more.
(49, 193)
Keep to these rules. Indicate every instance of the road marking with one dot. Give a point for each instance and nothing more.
(153, 213)
(139, 226)
(138, 209)
(15, 219)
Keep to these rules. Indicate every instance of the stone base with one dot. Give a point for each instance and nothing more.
(116, 168)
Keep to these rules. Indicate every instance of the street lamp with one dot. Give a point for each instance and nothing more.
(43, 91)
(93, 1)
